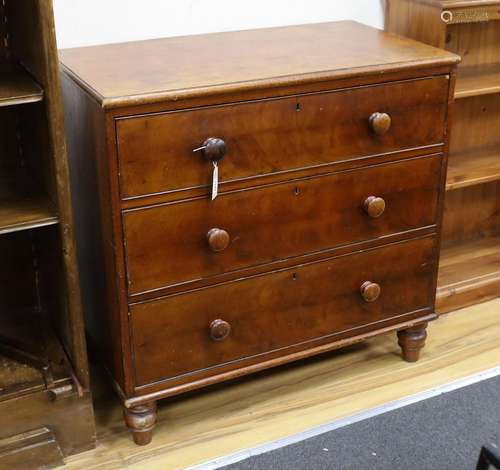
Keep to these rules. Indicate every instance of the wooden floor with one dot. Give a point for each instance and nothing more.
(286, 401)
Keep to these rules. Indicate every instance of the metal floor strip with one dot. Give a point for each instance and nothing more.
(263, 448)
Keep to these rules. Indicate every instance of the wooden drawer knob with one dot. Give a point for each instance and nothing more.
(380, 123)
(370, 291)
(374, 206)
(218, 239)
(213, 149)
(219, 330)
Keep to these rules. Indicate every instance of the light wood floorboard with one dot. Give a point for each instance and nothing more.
(285, 401)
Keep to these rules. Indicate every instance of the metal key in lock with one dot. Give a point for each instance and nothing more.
(213, 150)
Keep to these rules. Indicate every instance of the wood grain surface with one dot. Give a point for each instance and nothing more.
(467, 28)
(197, 65)
(22, 207)
(473, 167)
(41, 323)
(273, 312)
(475, 43)
(469, 273)
(471, 213)
(277, 135)
(18, 87)
(270, 406)
(167, 244)
(284, 120)
(475, 123)
(478, 80)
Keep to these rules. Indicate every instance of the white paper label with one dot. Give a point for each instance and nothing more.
(215, 181)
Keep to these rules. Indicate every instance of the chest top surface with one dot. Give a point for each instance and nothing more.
(164, 69)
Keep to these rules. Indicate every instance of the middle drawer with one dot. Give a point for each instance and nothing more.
(179, 242)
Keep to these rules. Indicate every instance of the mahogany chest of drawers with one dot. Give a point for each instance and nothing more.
(330, 143)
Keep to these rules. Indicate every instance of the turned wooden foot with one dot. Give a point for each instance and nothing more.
(141, 421)
(412, 340)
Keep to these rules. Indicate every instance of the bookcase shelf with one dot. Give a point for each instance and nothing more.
(18, 87)
(473, 167)
(22, 208)
(470, 258)
(468, 272)
(44, 375)
(31, 358)
(478, 80)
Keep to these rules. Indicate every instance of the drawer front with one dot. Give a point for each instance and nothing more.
(213, 326)
(170, 244)
(276, 135)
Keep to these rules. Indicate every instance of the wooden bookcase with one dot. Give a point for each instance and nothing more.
(470, 258)
(45, 403)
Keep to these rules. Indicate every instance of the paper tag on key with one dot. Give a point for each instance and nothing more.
(215, 181)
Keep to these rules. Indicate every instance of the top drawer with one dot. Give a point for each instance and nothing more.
(276, 135)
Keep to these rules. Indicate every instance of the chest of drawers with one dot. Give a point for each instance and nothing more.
(330, 143)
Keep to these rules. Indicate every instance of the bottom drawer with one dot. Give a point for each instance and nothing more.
(210, 327)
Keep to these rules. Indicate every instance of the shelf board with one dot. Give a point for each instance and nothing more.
(473, 167)
(17, 379)
(17, 87)
(477, 81)
(14, 375)
(22, 208)
(26, 331)
(469, 273)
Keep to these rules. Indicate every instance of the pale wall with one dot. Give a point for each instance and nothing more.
(88, 22)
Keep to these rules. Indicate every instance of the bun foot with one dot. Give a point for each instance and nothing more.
(412, 340)
(141, 421)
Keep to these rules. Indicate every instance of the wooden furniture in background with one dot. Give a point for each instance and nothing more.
(470, 259)
(325, 230)
(45, 404)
